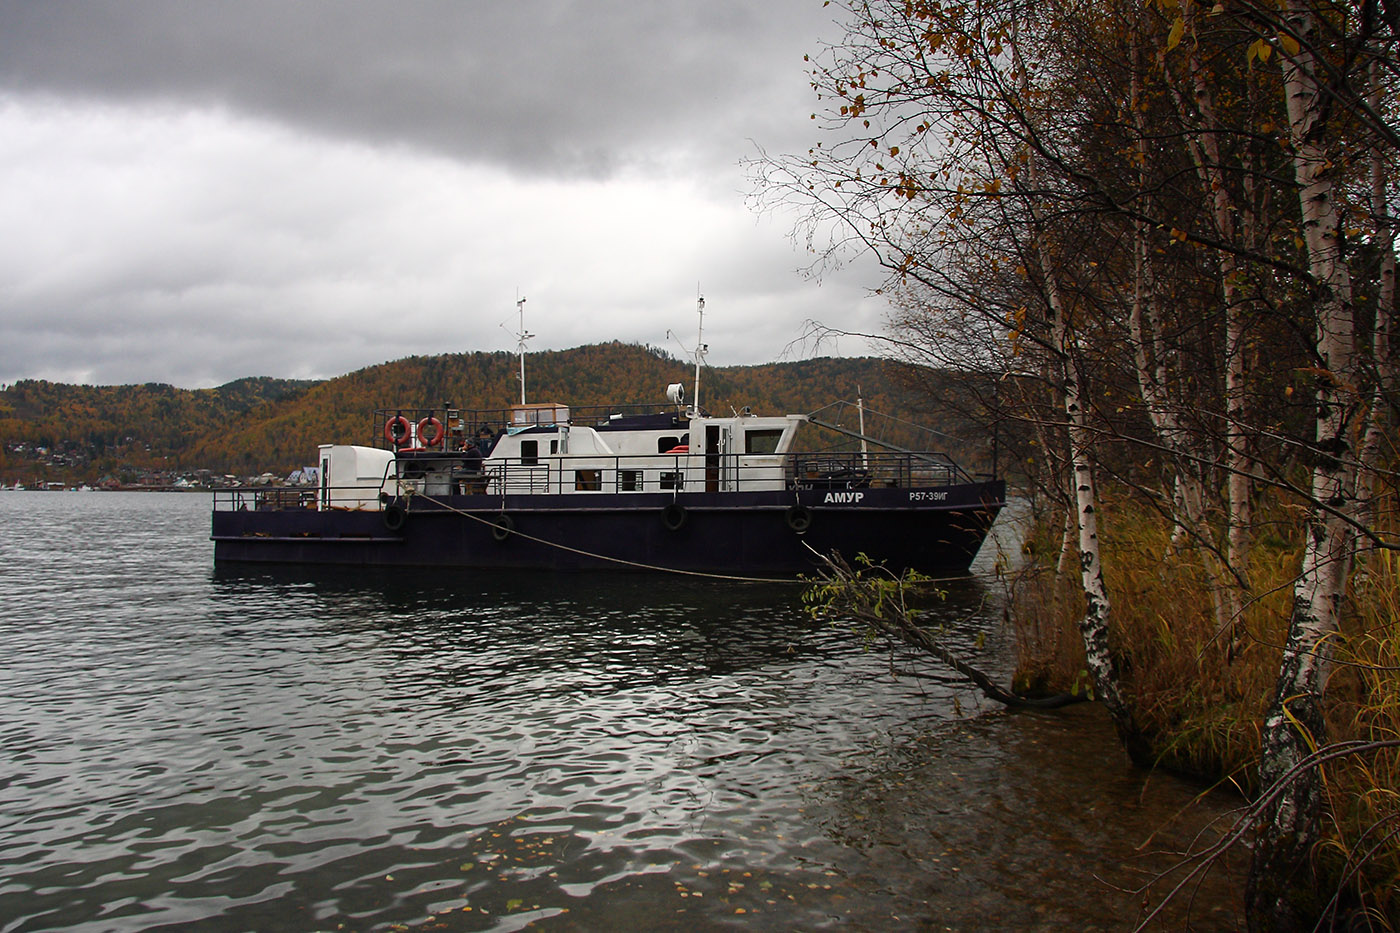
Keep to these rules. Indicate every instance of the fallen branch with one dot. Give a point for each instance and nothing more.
(877, 598)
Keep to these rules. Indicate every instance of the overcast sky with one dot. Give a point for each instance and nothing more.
(194, 191)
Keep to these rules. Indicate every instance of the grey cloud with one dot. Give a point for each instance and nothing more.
(544, 85)
(192, 191)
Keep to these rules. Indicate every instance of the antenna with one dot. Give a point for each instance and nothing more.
(521, 336)
(700, 349)
(864, 444)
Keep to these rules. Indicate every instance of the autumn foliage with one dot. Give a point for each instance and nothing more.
(256, 425)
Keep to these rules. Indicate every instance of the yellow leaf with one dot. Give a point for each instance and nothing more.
(1289, 44)
(1178, 30)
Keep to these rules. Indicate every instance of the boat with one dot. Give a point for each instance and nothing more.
(668, 486)
(549, 487)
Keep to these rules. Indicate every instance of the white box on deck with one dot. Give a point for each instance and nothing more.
(538, 413)
(351, 476)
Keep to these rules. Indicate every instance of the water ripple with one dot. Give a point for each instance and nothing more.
(212, 749)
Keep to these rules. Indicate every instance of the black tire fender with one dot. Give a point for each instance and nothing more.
(798, 518)
(395, 517)
(502, 527)
(673, 517)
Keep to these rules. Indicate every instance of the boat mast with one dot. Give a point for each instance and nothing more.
(700, 351)
(864, 444)
(520, 339)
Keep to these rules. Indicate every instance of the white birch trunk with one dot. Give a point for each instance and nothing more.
(1290, 824)
(1383, 375)
(1069, 541)
(1094, 624)
(1190, 494)
(1229, 598)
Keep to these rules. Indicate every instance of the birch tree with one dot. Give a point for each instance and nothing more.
(1228, 213)
(1171, 224)
(1294, 724)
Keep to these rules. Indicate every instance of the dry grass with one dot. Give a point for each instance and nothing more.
(1363, 850)
(1202, 707)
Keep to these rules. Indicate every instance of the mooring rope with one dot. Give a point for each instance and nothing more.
(616, 560)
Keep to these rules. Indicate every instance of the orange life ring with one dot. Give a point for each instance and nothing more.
(430, 439)
(397, 430)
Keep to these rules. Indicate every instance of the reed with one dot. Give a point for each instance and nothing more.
(1201, 703)
(1362, 852)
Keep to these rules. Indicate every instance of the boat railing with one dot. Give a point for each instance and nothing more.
(360, 498)
(683, 472)
(453, 475)
(912, 470)
(269, 498)
(407, 428)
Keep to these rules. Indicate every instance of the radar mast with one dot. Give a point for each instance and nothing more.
(520, 337)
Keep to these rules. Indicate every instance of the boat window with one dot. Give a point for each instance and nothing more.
(763, 441)
(588, 480)
(529, 452)
(665, 444)
(554, 447)
(629, 480)
(670, 480)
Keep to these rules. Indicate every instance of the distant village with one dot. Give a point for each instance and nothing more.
(42, 469)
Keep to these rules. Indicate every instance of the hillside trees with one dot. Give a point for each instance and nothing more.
(1175, 220)
(256, 425)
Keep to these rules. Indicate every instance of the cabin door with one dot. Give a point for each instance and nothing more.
(719, 466)
(712, 458)
(728, 464)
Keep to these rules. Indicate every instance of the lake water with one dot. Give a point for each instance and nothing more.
(195, 748)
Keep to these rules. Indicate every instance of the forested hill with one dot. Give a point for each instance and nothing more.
(256, 425)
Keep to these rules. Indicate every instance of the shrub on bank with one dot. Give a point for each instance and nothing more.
(1201, 701)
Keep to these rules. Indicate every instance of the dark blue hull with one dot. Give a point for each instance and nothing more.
(744, 534)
